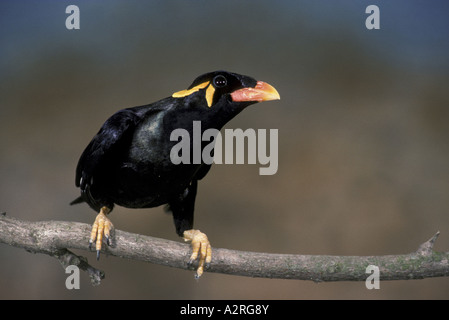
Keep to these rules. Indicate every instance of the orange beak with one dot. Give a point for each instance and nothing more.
(261, 92)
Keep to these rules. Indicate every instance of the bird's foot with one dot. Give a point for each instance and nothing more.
(200, 248)
(101, 228)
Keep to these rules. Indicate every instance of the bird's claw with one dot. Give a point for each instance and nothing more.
(201, 249)
(101, 228)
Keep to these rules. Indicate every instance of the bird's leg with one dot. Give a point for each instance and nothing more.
(101, 228)
(200, 247)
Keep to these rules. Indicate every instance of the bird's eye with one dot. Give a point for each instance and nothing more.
(220, 81)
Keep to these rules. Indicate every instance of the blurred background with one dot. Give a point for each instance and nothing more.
(363, 135)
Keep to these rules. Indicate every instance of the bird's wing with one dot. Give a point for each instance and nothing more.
(113, 136)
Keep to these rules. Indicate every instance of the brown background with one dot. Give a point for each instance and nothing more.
(363, 135)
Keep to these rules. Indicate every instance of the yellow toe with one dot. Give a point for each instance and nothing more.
(201, 249)
(101, 229)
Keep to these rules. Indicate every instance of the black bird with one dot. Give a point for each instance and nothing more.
(128, 162)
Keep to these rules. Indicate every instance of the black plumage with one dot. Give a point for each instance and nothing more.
(128, 161)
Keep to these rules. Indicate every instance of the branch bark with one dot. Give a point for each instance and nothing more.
(54, 238)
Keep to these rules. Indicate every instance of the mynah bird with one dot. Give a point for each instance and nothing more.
(128, 163)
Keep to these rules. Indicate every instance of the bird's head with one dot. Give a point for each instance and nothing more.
(226, 89)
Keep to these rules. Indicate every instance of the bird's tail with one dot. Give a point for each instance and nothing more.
(77, 200)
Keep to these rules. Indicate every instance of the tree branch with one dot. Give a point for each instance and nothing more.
(55, 237)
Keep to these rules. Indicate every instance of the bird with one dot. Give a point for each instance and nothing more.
(127, 163)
